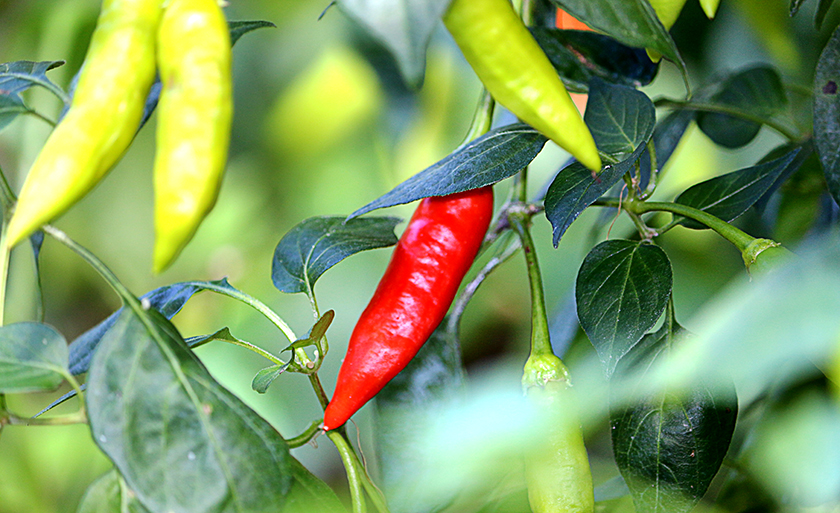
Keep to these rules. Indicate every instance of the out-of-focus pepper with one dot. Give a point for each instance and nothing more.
(557, 473)
(762, 256)
(518, 74)
(194, 118)
(118, 71)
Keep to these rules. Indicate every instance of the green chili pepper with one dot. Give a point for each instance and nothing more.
(118, 71)
(518, 74)
(762, 256)
(194, 118)
(557, 473)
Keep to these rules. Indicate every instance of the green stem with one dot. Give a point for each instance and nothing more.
(315, 381)
(260, 351)
(348, 458)
(654, 172)
(257, 305)
(482, 119)
(469, 291)
(540, 341)
(5, 254)
(42, 117)
(737, 237)
(787, 132)
(78, 417)
(308, 434)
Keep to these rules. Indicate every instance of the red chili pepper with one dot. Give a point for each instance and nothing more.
(429, 262)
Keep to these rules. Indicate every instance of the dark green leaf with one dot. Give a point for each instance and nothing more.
(109, 494)
(757, 92)
(309, 494)
(632, 22)
(794, 6)
(822, 9)
(168, 300)
(10, 107)
(18, 76)
(801, 199)
(496, 155)
(33, 357)
(240, 28)
(181, 441)
(574, 189)
(668, 446)
(620, 119)
(827, 112)
(432, 381)
(403, 26)
(309, 249)
(806, 154)
(622, 288)
(730, 195)
(579, 56)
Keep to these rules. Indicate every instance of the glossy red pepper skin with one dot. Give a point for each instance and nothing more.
(430, 260)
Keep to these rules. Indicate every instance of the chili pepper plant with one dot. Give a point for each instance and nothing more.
(621, 400)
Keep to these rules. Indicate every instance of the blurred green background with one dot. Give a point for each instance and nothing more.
(323, 125)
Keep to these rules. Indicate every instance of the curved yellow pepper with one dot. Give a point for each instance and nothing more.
(518, 74)
(194, 119)
(118, 71)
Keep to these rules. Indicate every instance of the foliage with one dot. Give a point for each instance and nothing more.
(740, 414)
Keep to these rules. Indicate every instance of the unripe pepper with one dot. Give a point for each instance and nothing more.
(763, 256)
(430, 260)
(194, 119)
(557, 472)
(118, 71)
(514, 69)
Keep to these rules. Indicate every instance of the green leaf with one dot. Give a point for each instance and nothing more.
(309, 494)
(181, 441)
(431, 382)
(822, 9)
(574, 189)
(757, 92)
(403, 26)
(632, 22)
(168, 300)
(622, 288)
(18, 76)
(730, 195)
(794, 6)
(10, 107)
(794, 450)
(33, 357)
(223, 334)
(265, 377)
(668, 445)
(620, 119)
(240, 28)
(827, 112)
(309, 249)
(496, 155)
(109, 494)
(579, 56)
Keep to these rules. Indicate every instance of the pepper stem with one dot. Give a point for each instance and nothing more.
(519, 219)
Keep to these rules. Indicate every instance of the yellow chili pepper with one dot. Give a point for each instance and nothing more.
(557, 473)
(118, 71)
(194, 118)
(518, 74)
(710, 7)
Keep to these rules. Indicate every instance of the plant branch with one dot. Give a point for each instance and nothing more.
(348, 458)
(787, 132)
(307, 435)
(734, 235)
